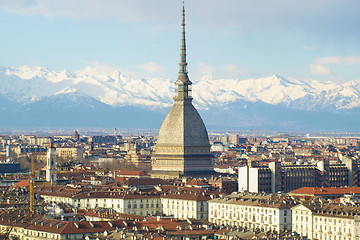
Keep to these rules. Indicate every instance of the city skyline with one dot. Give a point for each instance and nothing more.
(275, 81)
(228, 39)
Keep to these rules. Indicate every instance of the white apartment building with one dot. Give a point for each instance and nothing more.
(67, 153)
(253, 211)
(185, 205)
(181, 204)
(122, 202)
(325, 221)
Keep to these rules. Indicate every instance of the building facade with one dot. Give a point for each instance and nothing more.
(325, 221)
(182, 204)
(285, 178)
(253, 211)
(70, 153)
(141, 161)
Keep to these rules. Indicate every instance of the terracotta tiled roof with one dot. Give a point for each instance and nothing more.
(134, 182)
(259, 199)
(165, 191)
(149, 224)
(61, 191)
(326, 191)
(332, 210)
(106, 215)
(197, 182)
(23, 183)
(64, 227)
(187, 194)
(132, 173)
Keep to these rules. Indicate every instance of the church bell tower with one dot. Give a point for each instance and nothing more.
(51, 165)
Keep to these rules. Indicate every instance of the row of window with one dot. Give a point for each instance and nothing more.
(243, 208)
(320, 228)
(321, 219)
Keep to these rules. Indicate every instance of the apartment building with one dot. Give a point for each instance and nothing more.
(184, 205)
(326, 221)
(70, 153)
(181, 203)
(26, 226)
(253, 211)
(276, 177)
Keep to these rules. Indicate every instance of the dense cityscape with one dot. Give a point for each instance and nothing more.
(99, 187)
(182, 182)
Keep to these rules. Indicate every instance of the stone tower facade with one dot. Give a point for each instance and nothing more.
(182, 147)
(51, 165)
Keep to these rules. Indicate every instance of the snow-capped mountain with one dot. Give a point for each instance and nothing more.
(25, 84)
(272, 90)
(251, 102)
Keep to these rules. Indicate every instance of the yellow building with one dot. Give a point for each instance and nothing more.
(70, 153)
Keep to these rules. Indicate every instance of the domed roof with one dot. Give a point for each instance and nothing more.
(183, 126)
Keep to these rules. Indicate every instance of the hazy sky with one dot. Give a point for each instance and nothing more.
(318, 39)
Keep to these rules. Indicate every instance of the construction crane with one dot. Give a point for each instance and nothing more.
(32, 183)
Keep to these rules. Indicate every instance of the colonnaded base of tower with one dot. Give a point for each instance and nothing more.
(170, 162)
(176, 174)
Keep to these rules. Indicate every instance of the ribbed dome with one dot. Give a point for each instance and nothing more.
(183, 126)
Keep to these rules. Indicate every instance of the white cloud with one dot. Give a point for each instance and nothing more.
(151, 67)
(319, 69)
(98, 69)
(337, 79)
(124, 10)
(320, 65)
(94, 68)
(235, 71)
(346, 60)
(211, 12)
(308, 48)
(16, 4)
(205, 68)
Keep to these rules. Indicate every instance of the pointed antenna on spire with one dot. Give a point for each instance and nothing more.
(183, 84)
(183, 44)
(183, 77)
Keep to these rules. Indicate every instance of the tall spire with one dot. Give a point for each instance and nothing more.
(182, 132)
(183, 84)
(183, 77)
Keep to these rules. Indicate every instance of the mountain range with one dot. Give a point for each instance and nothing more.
(99, 97)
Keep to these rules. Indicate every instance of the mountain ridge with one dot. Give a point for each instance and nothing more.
(97, 91)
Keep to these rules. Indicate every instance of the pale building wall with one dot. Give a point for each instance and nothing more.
(70, 153)
(243, 179)
(317, 226)
(253, 180)
(179, 208)
(251, 217)
(51, 169)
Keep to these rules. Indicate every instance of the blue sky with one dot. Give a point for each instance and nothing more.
(240, 39)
